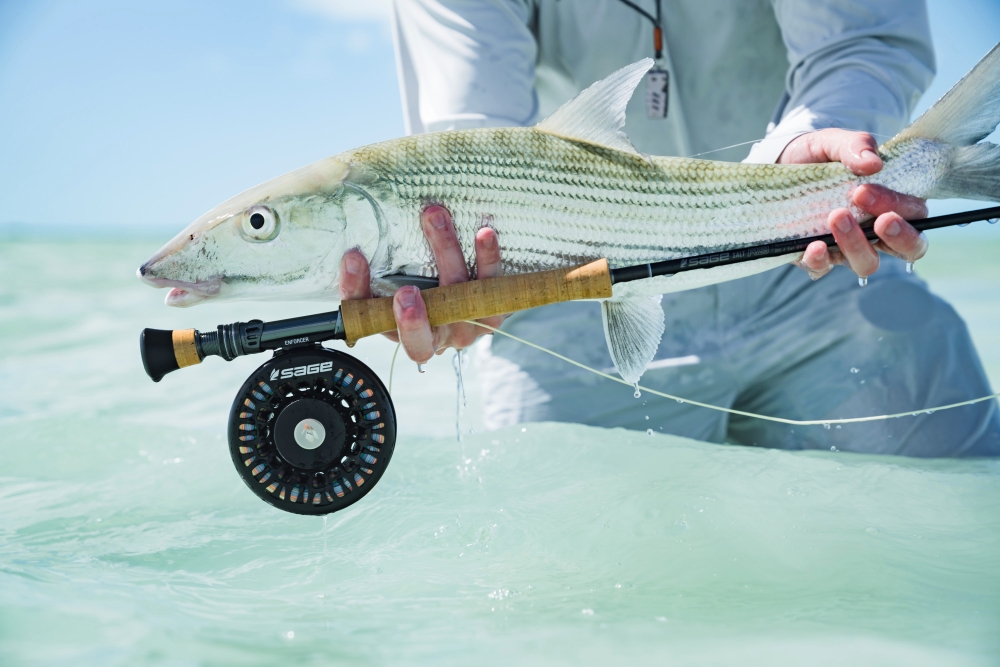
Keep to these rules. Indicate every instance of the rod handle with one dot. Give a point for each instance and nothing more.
(477, 299)
(164, 351)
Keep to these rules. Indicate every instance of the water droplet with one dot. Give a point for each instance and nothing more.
(420, 368)
(833, 449)
(826, 426)
(909, 267)
(679, 400)
(855, 370)
(647, 417)
(290, 634)
(993, 221)
(838, 425)
(637, 393)
(929, 412)
(964, 224)
(649, 431)
(863, 280)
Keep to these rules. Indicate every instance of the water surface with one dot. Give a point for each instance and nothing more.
(127, 538)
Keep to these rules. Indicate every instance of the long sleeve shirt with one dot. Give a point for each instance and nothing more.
(738, 68)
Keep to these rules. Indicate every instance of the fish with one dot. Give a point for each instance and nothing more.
(567, 191)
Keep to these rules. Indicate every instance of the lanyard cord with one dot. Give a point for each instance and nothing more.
(657, 22)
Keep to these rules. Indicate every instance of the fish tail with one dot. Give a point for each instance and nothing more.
(967, 114)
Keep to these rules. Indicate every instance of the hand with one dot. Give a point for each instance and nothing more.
(859, 153)
(419, 339)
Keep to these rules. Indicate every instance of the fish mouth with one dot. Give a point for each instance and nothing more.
(184, 293)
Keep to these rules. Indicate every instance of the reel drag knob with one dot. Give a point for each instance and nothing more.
(312, 430)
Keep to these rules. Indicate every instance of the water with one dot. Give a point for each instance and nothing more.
(127, 538)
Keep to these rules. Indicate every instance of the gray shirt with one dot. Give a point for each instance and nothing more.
(735, 66)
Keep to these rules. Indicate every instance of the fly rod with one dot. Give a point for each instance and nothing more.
(312, 430)
(166, 351)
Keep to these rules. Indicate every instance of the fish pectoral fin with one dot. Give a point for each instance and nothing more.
(633, 328)
(596, 115)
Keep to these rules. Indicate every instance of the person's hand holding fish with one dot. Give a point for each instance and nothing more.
(858, 151)
(419, 339)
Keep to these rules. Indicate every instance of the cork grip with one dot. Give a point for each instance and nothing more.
(483, 298)
(185, 350)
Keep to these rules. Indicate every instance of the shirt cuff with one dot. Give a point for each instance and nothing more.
(796, 122)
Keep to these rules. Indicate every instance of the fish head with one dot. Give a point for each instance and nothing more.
(280, 240)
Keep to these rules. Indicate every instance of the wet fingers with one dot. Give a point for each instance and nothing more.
(817, 260)
(443, 238)
(488, 263)
(876, 200)
(412, 325)
(355, 278)
(900, 238)
(855, 246)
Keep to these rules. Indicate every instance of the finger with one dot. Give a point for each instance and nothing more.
(857, 150)
(900, 238)
(461, 335)
(490, 266)
(877, 200)
(488, 254)
(411, 323)
(856, 248)
(816, 260)
(441, 234)
(355, 278)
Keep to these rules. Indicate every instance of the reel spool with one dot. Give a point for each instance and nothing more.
(312, 430)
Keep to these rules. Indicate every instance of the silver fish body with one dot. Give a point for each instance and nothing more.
(556, 203)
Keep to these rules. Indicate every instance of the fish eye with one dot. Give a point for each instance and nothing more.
(259, 223)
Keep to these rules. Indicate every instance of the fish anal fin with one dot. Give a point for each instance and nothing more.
(597, 115)
(633, 328)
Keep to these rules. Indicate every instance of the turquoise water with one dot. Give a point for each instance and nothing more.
(127, 538)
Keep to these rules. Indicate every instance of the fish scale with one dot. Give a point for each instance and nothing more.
(555, 203)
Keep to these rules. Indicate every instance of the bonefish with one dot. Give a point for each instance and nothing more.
(564, 192)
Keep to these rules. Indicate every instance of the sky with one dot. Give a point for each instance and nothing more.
(146, 114)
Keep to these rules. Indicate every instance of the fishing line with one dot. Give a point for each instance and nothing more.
(392, 366)
(780, 420)
(778, 136)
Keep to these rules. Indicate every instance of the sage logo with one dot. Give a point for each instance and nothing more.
(702, 261)
(299, 371)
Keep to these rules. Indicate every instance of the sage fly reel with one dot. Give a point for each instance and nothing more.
(312, 430)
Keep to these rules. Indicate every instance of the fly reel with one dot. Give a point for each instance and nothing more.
(312, 430)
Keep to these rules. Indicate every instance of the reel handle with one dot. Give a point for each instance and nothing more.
(477, 299)
(166, 351)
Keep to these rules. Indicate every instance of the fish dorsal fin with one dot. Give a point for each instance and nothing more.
(596, 115)
(633, 328)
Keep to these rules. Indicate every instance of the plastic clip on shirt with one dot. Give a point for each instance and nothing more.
(657, 79)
